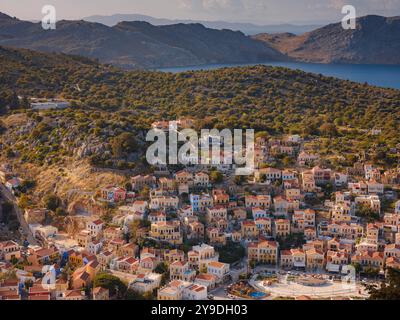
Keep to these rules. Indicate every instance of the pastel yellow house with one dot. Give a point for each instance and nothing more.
(315, 259)
(264, 252)
(168, 231)
(249, 229)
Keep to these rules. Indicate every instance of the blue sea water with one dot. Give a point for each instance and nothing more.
(387, 76)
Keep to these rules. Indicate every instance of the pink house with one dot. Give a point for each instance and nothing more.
(114, 194)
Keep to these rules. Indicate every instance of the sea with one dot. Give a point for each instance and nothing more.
(386, 76)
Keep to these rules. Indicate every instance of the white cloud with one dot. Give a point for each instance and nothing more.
(257, 11)
(213, 5)
(288, 9)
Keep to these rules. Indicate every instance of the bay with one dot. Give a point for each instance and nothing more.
(387, 76)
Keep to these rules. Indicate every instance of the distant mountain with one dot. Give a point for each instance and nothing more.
(376, 40)
(246, 28)
(138, 44)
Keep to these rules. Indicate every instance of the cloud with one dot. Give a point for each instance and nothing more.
(286, 10)
(229, 6)
(363, 7)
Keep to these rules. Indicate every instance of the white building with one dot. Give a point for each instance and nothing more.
(218, 269)
(146, 282)
(95, 227)
(49, 105)
(94, 247)
(195, 291)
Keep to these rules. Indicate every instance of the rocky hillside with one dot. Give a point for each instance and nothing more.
(376, 40)
(138, 44)
(247, 28)
(100, 139)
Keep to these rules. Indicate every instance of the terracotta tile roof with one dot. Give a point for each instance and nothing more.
(178, 263)
(216, 264)
(206, 277)
(97, 222)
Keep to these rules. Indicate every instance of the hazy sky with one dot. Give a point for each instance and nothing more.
(257, 11)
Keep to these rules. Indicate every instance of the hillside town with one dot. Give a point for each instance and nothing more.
(199, 232)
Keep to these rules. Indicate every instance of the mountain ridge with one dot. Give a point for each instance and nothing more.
(376, 40)
(139, 44)
(246, 28)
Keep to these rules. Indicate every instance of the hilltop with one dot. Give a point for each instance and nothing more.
(247, 28)
(138, 44)
(111, 111)
(376, 40)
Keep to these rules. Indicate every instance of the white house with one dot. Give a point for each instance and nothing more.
(146, 282)
(94, 247)
(195, 291)
(218, 269)
(375, 187)
(49, 105)
(341, 179)
(95, 227)
(259, 213)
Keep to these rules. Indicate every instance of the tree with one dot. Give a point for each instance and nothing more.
(137, 225)
(26, 185)
(123, 144)
(231, 252)
(13, 225)
(52, 202)
(328, 130)
(133, 295)
(216, 176)
(357, 267)
(10, 153)
(24, 103)
(12, 100)
(287, 161)
(9, 275)
(294, 240)
(366, 213)
(107, 281)
(60, 212)
(2, 126)
(14, 260)
(24, 201)
(128, 186)
(389, 289)
(134, 227)
(28, 284)
(161, 268)
(6, 209)
(145, 192)
(239, 180)
(371, 272)
(262, 134)
(262, 178)
(107, 216)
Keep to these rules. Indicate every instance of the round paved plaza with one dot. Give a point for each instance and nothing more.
(309, 286)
